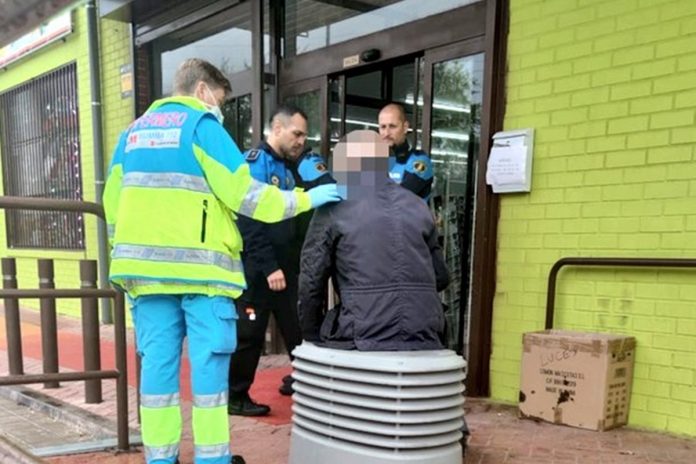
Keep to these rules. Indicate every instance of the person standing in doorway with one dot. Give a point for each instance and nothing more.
(271, 255)
(408, 166)
(175, 181)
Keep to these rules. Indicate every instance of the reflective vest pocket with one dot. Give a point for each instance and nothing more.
(224, 336)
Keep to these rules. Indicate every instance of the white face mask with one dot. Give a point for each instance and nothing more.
(217, 112)
(214, 109)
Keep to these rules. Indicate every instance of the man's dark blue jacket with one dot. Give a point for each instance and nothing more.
(380, 248)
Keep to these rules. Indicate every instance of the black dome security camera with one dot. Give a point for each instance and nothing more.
(372, 54)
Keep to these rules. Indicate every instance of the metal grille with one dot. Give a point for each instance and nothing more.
(40, 143)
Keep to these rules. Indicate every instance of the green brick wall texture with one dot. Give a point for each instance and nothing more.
(610, 88)
(115, 40)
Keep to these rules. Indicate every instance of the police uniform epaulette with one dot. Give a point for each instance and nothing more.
(252, 155)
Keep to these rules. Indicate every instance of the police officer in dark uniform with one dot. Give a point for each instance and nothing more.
(271, 255)
(407, 166)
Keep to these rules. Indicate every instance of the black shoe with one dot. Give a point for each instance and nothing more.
(235, 460)
(286, 388)
(245, 406)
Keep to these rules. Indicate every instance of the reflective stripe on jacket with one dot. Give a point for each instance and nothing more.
(175, 181)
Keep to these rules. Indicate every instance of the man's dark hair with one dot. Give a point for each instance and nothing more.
(286, 111)
(192, 70)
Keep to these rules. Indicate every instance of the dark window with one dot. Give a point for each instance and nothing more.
(40, 146)
(314, 24)
(237, 113)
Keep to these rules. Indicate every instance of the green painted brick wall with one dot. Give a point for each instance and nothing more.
(118, 110)
(115, 40)
(610, 88)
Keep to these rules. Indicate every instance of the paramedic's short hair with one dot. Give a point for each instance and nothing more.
(193, 70)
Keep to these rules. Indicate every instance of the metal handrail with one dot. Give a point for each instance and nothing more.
(604, 262)
(50, 204)
(120, 373)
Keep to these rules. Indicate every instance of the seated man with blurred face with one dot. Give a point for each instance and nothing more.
(380, 249)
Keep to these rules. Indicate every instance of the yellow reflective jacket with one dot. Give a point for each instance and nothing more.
(175, 181)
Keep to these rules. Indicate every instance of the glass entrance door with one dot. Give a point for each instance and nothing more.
(452, 98)
(355, 99)
(441, 91)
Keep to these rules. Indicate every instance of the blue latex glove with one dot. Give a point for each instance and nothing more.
(322, 194)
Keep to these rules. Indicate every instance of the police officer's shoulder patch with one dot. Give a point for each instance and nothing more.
(419, 163)
(252, 155)
(419, 166)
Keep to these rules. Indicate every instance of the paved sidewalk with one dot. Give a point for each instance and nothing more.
(497, 435)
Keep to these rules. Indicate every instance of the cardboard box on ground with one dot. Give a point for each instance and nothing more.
(577, 379)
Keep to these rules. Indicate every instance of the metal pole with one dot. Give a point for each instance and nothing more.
(122, 368)
(57, 293)
(49, 325)
(61, 376)
(90, 331)
(257, 70)
(98, 148)
(51, 204)
(604, 262)
(13, 327)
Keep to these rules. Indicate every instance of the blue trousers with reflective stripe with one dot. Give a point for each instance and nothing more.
(161, 323)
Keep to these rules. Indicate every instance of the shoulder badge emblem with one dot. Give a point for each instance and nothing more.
(252, 155)
(419, 166)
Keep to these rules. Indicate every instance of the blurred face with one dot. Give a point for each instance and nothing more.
(353, 154)
(288, 136)
(360, 159)
(392, 128)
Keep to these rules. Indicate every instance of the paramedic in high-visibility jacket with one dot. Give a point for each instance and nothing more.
(175, 185)
(410, 167)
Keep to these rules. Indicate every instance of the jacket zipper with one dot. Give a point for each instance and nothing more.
(204, 218)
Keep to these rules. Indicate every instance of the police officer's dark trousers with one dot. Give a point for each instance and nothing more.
(251, 330)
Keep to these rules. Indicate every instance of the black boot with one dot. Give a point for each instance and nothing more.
(242, 405)
(236, 459)
(286, 387)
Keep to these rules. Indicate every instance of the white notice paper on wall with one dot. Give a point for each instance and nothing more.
(509, 167)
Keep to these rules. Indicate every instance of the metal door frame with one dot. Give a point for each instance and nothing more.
(432, 57)
(433, 31)
(480, 27)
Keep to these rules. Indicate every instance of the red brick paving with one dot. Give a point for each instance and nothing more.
(497, 435)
